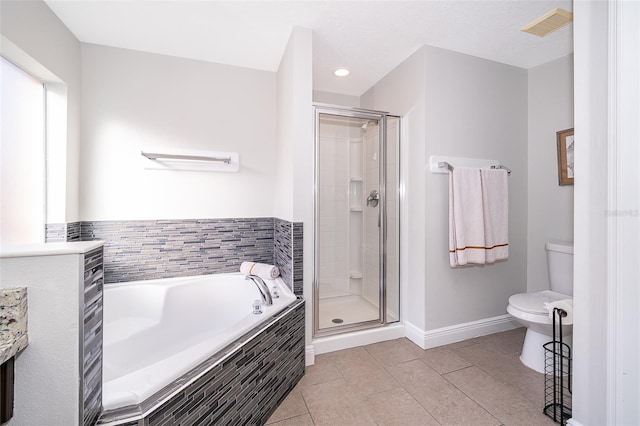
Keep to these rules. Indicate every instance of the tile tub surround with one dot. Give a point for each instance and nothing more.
(13, 322)
(140, 250)
(92, 325)
(243, 384)
(288, 252)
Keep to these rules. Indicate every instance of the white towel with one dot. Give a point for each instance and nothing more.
(263, 270)
(495, 206)
(466, 226)
(478, 216)
(564, 304)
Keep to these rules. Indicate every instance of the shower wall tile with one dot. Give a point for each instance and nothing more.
(142, 250)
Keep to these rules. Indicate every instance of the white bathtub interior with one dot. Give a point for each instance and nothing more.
(157, 330)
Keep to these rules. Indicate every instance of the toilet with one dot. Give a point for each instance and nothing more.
(529, 308)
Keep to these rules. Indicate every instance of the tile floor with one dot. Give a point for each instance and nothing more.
(479, 381)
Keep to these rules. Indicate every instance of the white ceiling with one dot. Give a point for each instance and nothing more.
(369, 37)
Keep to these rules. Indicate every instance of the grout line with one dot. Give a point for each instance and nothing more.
(469, 396)
(307, 407)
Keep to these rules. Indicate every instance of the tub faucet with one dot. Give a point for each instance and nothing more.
(262, 287)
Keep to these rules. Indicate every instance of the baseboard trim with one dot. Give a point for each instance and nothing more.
(455, 333)
(309, 355)
(573, 422)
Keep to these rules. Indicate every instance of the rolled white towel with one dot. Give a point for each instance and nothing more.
(564, 304)
(263, 270)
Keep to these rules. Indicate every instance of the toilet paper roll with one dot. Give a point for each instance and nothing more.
(564, 304)
(263, 270)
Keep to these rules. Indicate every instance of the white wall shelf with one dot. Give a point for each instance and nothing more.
(458, 162)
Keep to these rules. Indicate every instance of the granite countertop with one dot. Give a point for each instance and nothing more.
(13, 322)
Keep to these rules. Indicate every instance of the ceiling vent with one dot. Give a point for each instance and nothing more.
(550, 22)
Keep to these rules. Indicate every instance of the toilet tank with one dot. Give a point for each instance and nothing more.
(560, 263)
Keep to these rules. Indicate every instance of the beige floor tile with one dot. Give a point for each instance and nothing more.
(319, 373)
(461, 344)
(409, 345)
(369, 380)
(304, 420)
(414, 373)
(444, 360)
(517, 333)
(439, 397)
(501, 400)
(449, 406)
(365, 375)
(507, 369)
(335, 403)
(482, 356)
(292, 406)
(351, 358)
(391, 352)
(502, 344)
(479, 381)
(397, 407)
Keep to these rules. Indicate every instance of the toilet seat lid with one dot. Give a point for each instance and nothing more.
(534, 303)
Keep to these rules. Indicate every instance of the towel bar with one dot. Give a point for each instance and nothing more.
(155, 156)
(448, 166)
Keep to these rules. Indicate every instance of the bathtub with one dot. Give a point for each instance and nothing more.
(155, 331)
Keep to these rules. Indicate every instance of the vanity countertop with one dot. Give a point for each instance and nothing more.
(13, 322)
(49, 249)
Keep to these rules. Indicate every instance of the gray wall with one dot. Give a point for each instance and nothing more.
(462, 106)
(550, 205)
(478, 109)
(402, 92)
(335, 99)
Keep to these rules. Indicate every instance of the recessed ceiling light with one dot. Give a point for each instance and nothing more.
(341, 72)
(548, 23)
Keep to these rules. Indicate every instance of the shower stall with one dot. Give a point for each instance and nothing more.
(357, 183)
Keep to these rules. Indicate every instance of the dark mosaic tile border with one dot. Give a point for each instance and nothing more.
(142, 250)
(55, 232)
(283, 249)
(73, 231)
(62, 232)
(91, 356)
(243, 384)
(297, 257)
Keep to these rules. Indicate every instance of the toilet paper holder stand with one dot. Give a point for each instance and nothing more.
(558, 373)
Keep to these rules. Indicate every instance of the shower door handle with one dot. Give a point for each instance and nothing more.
(373, 198)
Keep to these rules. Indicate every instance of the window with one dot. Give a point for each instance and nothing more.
(22, 156)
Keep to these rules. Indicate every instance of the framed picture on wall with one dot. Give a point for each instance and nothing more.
(565, 157)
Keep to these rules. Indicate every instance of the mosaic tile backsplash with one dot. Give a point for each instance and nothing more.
(149, 249)
(62, 232)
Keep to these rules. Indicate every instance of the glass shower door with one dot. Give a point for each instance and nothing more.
(350, 222)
